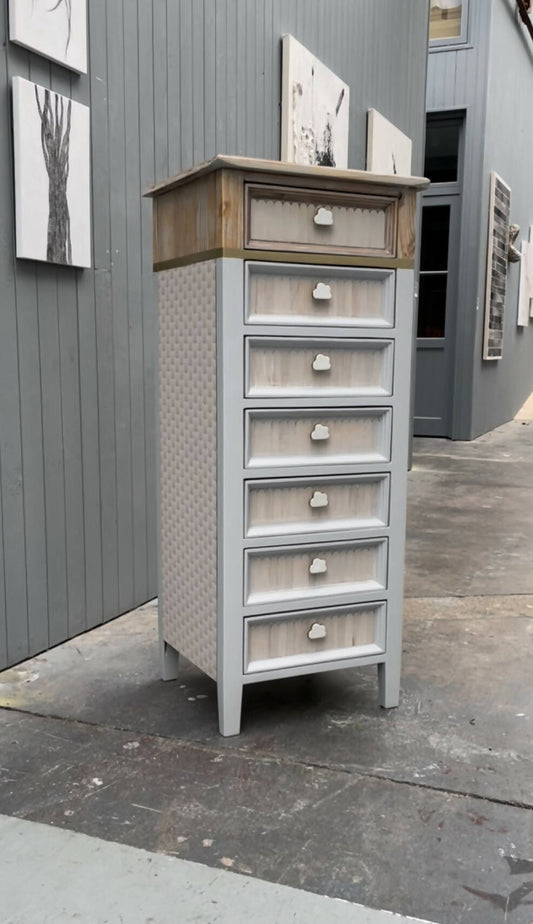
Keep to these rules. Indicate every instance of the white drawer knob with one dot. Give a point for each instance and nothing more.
(322, 292)
(317, 630)
(318, 566)
(323, 217)
(319, 499)
(321, 363)
(320, 432)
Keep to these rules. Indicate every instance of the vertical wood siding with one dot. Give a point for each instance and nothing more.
(457, 79)
(77, 474)
(170, 83)
(501, 387)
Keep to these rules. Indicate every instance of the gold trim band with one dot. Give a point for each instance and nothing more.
(276, 256)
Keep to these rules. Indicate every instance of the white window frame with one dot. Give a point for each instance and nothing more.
(462, 39)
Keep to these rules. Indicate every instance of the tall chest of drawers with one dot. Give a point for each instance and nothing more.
(285, 333)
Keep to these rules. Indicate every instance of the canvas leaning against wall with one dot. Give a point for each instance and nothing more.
(315, 110)
(52, 176)
(56, 29)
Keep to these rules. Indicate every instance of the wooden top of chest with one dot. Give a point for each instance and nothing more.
(265, 210)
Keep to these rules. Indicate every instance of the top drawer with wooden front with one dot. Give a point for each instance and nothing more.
(280, 218)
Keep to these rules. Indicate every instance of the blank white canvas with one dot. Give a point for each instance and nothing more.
(315, 109)
(57, 30)
(31, 177)
(388, 150)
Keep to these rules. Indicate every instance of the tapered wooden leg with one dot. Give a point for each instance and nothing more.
(229, 708)
(389, 684)
(169, 662)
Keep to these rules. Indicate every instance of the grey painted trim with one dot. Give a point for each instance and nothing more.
(462, 40)
(230, 292)
(389, 670)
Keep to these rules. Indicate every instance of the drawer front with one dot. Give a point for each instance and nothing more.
(284, 367)
(276, 642)
(320, 222)
(308, 437)
(275, 576)
(278, 293)
(291, 506)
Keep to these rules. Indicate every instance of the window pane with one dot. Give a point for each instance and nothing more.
(435, 235)
(432, 305)
(445, 19)
(442, 151)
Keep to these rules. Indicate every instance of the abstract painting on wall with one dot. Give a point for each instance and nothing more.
(388, 150)
(56, 29)
(525, 291)
(52, 176)
(315, 110)
(496, 283)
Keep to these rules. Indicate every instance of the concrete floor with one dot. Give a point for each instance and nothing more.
(102, 883)
(426, 810)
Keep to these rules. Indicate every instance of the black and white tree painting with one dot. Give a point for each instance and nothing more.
(56, 29)
(55, 142)
(52, 176)
(315, 108)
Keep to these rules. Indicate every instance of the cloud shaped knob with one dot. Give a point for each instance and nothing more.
(323, 217)
(318, 566)
(321, 363)
(320, 432)
(319, 499)
(322, 292)
(317, 630)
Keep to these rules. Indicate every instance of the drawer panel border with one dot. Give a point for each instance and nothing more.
(384, 413)
(313, 598)
(383, 480)
(378, 647)
(304, 270)
(385, 203)
(319, 345)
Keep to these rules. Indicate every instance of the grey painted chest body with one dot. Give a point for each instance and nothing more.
(285, 304)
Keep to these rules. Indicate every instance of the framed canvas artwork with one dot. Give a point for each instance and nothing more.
(52, 176)
(388, 150)
(496, 284)
(315, 110)
(56, 29)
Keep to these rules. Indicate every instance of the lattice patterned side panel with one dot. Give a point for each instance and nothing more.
(187, 408)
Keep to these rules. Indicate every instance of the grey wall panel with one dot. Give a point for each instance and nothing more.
(457, 79)
(146, 145)
(222, 93)
(170, 82)
(501, 387)
(77, 362)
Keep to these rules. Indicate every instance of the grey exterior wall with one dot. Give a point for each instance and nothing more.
(501, 387)
(217, 83)
(490, 78)
(77, 353)
(457, 80)
(171, 83)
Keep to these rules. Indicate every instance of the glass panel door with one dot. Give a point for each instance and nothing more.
(433, 271)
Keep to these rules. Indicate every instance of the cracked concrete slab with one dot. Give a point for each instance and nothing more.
(384, 844)
(464, 722)
(133, 885)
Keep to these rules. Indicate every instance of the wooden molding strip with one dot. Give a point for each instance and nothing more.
(268, 256)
